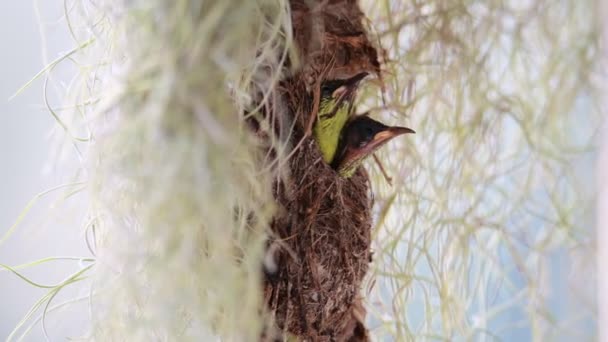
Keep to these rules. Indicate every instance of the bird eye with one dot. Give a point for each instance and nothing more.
(367, 135)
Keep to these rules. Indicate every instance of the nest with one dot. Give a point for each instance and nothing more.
(322, 232)
(324, 253)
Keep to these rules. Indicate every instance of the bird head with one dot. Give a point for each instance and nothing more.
(360, 138)
(343, 89)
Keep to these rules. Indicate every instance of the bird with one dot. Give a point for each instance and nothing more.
(335, 108)
(359, 139)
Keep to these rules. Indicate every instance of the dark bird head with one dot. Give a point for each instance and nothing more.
(342, 90)
(360, 138)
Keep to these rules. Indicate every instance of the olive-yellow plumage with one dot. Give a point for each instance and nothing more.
(332, 117)
(335, 107)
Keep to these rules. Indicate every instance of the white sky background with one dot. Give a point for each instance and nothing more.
(602, 208)
(560, 269)
(25, 136)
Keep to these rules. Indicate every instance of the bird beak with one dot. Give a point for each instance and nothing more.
(383, 137)
(356, 79)
(348, 88)
(379, 140)
(390, 133)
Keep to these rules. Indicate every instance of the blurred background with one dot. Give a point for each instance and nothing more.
(26, 156)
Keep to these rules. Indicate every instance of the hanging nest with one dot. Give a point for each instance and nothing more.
(320, 240)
